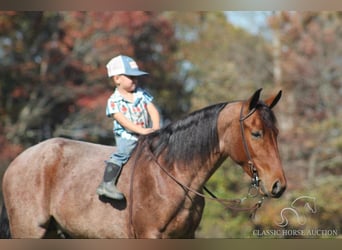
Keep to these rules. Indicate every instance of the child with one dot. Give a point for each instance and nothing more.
(134, 114)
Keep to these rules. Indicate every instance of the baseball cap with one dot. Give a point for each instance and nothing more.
(123, 65)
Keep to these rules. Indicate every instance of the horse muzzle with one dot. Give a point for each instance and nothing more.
(276, 190)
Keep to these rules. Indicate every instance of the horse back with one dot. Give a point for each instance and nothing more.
(42, 166)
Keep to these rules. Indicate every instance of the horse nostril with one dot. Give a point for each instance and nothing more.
(277, 189)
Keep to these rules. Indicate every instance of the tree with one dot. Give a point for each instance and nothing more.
(310, 59)
(27, 101)
(310, 62)
(221, 62)
(54, 67)
(53, 78)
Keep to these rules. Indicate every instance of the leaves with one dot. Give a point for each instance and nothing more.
(55, 58)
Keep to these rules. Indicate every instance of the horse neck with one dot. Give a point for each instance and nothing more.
(199, 173)
(229, 129)
(226, 130)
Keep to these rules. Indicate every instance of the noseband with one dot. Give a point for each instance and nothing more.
(252, 168)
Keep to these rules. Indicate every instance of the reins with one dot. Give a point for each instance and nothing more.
(229, 203)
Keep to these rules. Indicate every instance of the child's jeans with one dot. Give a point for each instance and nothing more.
(124, 148)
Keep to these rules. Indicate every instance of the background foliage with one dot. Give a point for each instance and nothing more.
(53, 83)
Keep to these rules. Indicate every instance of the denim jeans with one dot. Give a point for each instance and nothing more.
(123, 152)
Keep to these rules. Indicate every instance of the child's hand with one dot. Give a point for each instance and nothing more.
(145, 131)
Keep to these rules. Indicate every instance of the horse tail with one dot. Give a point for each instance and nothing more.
(4, 224)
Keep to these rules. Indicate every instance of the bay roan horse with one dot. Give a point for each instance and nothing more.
(51, 186)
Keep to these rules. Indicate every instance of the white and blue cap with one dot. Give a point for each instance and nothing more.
(123, 65)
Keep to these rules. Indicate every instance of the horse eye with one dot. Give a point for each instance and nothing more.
(257, 134)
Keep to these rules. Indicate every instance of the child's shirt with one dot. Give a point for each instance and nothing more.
(135, 111)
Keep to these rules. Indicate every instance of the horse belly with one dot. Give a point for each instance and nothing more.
(96, 223)
(86, 215)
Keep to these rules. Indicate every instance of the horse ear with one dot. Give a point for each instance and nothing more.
(253, 101)
(272, 101)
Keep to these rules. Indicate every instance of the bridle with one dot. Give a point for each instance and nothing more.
(253, 188)
(227, 203)
(252, 168)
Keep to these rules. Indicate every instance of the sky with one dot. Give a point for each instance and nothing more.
(253, 21)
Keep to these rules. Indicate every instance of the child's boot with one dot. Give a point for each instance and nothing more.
(108, 185)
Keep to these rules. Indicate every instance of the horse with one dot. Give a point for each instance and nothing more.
(51, 186)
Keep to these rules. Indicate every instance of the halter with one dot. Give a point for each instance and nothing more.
(252, 168)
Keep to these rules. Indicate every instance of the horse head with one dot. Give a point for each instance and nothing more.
(255, 146)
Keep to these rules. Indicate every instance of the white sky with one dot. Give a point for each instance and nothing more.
(253, 21)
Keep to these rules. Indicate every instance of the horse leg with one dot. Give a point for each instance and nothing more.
(54, 230)
(26, 228)
(31, 224)
(4, 224)
(40, 225)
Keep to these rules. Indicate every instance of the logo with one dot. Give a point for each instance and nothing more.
(133, 65)
(296, 210)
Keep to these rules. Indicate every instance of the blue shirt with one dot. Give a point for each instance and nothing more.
(135, 111)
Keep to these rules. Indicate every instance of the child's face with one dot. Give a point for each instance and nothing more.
(127, 83)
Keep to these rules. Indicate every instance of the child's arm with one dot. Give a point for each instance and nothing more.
(127, 124)
(154, 114)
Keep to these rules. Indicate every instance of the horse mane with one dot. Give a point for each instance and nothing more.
(195, 135)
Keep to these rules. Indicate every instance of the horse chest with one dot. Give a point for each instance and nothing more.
(186, 220)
